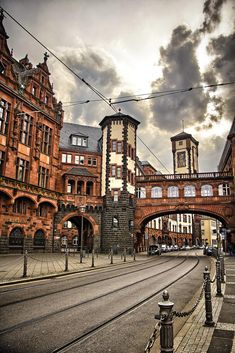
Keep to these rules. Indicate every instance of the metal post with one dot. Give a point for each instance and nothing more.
(25, 267)
(111, 256)
(81, 245)
(124, 254)
(222, 268)
(218, 278)
(66, 259)
(166, 317)
(93, 258)
(208, 305)
(133, 254)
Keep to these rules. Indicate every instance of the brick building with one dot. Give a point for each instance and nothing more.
(61, 184)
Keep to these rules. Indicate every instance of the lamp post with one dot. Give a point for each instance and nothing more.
(82, 210)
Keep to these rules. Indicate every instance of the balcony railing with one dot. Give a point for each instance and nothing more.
(192, 176)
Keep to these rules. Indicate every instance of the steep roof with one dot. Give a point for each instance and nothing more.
(94, 134)
(79, 172)
(183, 136)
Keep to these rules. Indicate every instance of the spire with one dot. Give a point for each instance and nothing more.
(43, 65)
(2, 29)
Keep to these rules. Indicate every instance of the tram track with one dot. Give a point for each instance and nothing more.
(94, 330)
(84, 284)
(71, 307)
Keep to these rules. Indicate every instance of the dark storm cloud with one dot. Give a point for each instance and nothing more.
(180, 70)
(94, 67)
(212, 15)
(223, 49)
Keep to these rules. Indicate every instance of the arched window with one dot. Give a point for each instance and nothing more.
(75, 241)
(89, 188)
(224, 189)
(39, 238)
(173, 191)
(63, 240)
(156, 192)
(79, 187)
(115, 222)
(42, 210)
(206, 190)
(141, 193)
(189, 191)
(70, 187)
(16, 238)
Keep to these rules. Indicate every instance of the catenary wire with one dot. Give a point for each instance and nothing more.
(105, 99)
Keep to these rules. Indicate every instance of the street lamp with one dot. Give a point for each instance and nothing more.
(82, 210)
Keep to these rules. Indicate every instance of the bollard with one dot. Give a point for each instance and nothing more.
(25, 267)
(66, 260)
(166, 317)
(111, 256)
(222, 268)
(93, 258)
(208, 305)
(124, 255)
(218, 278)
(134, 255)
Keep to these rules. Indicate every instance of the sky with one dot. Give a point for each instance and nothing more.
(138, 47)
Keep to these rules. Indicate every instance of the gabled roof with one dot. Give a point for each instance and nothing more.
(119, 116)
(79, 172)
(93, 133)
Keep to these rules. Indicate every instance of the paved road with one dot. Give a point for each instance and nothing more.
(42, 316)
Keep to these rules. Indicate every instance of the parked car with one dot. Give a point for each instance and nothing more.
(164, 248)
(154, 250)
(209, 251)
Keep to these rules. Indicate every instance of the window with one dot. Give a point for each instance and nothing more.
(181, 159)
(43, 176)
(79, 160)
(115, 222)
(224, 190)
(119, 172)
(206, 190)
(113, 170)
(42, 210)
(156, 192)
(46, 101)
(4, 116)
(16, 238)
(89, 188)
(34, 90)
(114, 146)
(185, 230)
(2, 162)
(92, 161)
(141, 193)
(173, 191)
(185, 218)
(20, 206)
(26, 125)
(115, 196)
(66, 158)
(189, 191)
(63, 240)
(75, 241)
(70, 186)
(79, 141)
(79, 187)
(189, 218)
(39, 238)
(180, 143)
(46, 139)
(68, 224)
(22, 169)
(119, 147)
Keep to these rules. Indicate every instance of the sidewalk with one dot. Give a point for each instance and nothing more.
(194, 337)
(53, 264)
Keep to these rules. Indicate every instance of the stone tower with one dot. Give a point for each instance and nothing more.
(118, 180)
(185, 153)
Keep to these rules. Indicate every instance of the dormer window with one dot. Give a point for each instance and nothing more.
(79, 141)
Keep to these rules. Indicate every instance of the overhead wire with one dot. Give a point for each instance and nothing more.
(105, 99)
